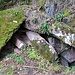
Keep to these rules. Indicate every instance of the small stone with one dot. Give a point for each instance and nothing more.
(17, 51)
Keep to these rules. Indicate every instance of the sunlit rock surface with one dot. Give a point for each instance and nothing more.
(63, 32)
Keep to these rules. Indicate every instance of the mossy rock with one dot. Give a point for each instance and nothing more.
(63, 32)
(43, 49)
(10, 21)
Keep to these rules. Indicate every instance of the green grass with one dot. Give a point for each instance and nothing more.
(7, 24)
(69, 71)
(32, 54)
(16, 57)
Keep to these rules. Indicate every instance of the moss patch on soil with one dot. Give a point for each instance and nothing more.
(10, 20)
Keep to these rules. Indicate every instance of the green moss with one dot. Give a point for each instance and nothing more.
(44, 50)
(56, 68)
(64, 27)
(72, 22)
(41, 3)
(32, 54)
(9, 70)
(67, 12)
(9, 22)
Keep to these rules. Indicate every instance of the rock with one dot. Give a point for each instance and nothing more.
(63, 32)
(41, 45)
(18, 43)
(33, 19)
(68, 57)
(33, 36)
(8, 24)
(50, 10)
(17, 50)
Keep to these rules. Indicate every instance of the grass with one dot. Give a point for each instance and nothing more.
(32, 54)
(69, 71)
(6, 70)
(16, 57)
(9, 22)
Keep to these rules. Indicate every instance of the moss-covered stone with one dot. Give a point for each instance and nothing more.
(9, 22)
(43, 49)
(63, 32)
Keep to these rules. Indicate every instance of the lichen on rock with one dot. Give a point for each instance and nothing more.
(63, 32)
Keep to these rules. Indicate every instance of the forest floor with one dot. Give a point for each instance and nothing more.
(29, 62)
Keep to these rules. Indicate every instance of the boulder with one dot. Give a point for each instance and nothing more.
(34, 19)
(42, 46)
(64, 33)
(9, 23)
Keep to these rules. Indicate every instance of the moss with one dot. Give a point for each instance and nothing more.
(56, 68)
(64, 27)
(41, 3)
(9, 22)
(74, 43)
(9, 70)
(67, 12)
(44, 50)
(72, 23)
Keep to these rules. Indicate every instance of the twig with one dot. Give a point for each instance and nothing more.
(33, 67)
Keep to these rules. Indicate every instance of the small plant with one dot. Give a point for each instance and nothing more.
(18, 59)
(69, 70)
(33, 55)
(44, 27)
(59, 16)
(9, 71)
(34, 20)
(10, 55)
(42, 66)
(23, 50)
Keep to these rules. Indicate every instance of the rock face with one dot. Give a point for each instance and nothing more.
(35, 20)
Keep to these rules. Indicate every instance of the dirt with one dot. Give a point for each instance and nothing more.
(29, 66)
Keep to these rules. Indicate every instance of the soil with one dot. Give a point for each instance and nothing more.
(29, 66)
